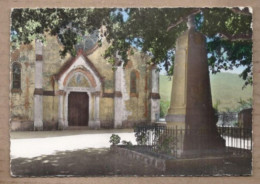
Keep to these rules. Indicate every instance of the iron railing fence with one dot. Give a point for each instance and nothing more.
(236, 137)
(168, 140)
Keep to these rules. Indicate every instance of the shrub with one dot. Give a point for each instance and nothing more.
(166, 144)
(127, 143)
(114, 139)
(141, 137)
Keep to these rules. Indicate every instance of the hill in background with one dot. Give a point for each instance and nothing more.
(225, 88)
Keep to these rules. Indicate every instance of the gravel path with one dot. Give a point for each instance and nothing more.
(33, 144)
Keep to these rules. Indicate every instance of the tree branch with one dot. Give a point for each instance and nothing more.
(242, 37)
(182, 19)
(177, 23)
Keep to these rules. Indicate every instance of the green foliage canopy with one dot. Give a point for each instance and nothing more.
(152, 30)
(67, 24)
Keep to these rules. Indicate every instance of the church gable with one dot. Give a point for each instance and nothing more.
(83, 66)
(78, 80)
(80, 70)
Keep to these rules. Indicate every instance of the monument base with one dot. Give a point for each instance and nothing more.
(220, 152)
(196, 139)
(175, 121)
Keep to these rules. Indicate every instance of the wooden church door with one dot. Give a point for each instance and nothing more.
(78, 110)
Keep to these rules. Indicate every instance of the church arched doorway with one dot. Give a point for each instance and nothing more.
(78, 109)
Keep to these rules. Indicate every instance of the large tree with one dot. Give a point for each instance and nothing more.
(152, 30)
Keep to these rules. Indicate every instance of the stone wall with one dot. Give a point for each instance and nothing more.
(50, 112)
(21, 104)
(104, 68)
(52, 61)
(179, 167)
(141, 157)
(137, 103)
(135, 106)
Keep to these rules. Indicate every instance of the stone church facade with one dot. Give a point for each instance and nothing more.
(51, 92)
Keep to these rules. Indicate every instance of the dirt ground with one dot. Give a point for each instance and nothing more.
(70, 153)
(90, 162)
(104, 162)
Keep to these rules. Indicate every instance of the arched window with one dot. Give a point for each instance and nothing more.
(16, 74)
(133, 83)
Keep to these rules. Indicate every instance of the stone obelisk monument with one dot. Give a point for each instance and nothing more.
(191, 102)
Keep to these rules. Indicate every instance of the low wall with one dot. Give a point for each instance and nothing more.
(21, 126)
(144, 158)
(193, 166)
(29, 126)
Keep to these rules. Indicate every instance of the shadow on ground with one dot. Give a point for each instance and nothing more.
(89, 162)
(105, 162)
